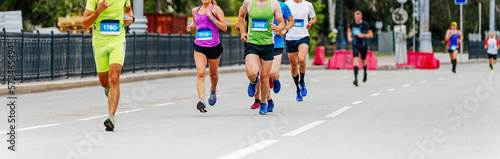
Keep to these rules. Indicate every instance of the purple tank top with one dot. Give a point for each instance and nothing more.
(207, 34)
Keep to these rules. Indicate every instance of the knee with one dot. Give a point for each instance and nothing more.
(114, 80)
(302, 61)
(201, 74)
(214, 76)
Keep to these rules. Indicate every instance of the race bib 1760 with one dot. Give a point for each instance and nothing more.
(110, 27)
(204, 34)
(299, 23)
(356, 31)
(259, 24)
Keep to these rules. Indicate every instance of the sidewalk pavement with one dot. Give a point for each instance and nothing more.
(384, 63)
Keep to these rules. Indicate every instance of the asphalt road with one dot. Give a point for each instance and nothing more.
(396, 114)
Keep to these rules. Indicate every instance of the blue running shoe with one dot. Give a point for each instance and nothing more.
(213, 99)
(251, 87)
(270, 106)
(276, 86)
(303, 89)
(263, 109)
(299, 96)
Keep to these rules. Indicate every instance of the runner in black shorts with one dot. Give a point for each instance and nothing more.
(357, 33)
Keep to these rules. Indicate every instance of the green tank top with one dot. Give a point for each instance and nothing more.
(259, 32)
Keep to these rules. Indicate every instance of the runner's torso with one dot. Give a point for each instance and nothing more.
(453, 43)
(492, 46)
(361, 28)
(207, 33)
(260, 19)
(109, 26)
(279, 40)
(301, 13)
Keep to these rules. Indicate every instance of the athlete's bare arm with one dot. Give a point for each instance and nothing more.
(349, 34)
(193, 24)
(89, 17)
(278, 15)
(221, 21)
(130, 14)
(245, 7)
(289, 25)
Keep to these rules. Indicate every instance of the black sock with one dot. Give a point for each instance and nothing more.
(296, 80)
(356, 73)
(269, 101)
(491, 66)
(454, 62)
(257, 101)
(364, 68)
(302, 77)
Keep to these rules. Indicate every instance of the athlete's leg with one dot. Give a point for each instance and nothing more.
(213, 66)
(303, 50)
(103, 79)
(264, 78)
(294, 63)
(114, 90)
(252, 66)
(275, 69)
(200, 61)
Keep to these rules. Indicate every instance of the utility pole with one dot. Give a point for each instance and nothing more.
(340, 41)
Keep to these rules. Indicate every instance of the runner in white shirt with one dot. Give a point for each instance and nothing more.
(492, 45)
(297, 41)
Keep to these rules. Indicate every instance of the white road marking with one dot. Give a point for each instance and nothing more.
(424, 81)
(102, 116)
(316, 80)
(460, 76)
(442, 78)
(344, 77)
(375, 94)
(249, 150)
(338, 112)
(304, 128)
(164, 104)
(406, 85)
(286, 85)
(31, 128)
(390, 89)
(356, 102)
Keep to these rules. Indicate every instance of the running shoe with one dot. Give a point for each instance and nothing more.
(299, 96)
(303, 89)
(106, 90)
(277, 86)
(492, 71)
(201, 107)
(109, 124)
(263, 109)
(355, 83)
(453, 70)
(251, 87)
(270, 106)
(255, 105)
(213, 98)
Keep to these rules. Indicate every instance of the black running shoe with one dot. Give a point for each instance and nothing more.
(355, 83)
(201, 107)
(109, 124)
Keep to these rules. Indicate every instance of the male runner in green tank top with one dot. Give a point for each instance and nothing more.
(260, 42)
(108, 41)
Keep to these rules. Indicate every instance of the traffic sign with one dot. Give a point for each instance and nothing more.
(399, 16)
(460, 1)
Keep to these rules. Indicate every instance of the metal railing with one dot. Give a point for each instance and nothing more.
(62, 55)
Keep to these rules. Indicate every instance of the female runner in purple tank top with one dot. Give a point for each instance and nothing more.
(208, 19)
